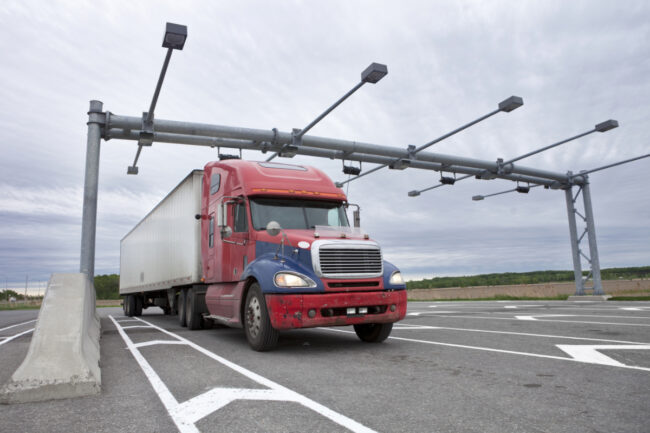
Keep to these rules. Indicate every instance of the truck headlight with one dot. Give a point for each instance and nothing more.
(293, 279)
(396, 278)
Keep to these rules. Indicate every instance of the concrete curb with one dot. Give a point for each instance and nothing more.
(63, 357)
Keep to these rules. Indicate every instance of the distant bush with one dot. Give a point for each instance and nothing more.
(107, 286)
(512, 278)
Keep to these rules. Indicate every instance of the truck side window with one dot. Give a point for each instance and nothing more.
(241, 222)
(211, 232)
(215, 183)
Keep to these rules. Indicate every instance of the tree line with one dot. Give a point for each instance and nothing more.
(535, 277)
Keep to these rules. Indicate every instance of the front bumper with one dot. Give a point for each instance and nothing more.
(293, 311)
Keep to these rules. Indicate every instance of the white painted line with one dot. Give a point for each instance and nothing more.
(8, 339)
(187, 413)
(520, 306)
(427, 313)
(135, 326)
(404, 326)
(156, 342)
(587, 315)
(542, 315)
(488, 349)
(546, 320)
(634, 308)
(590, 353)
(18, 324)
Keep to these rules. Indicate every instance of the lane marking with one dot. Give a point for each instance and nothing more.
(544, 320)
(187, 413)
(8, 339)
(488, 349)
(426, 313)
(405, 326)
(521, 306)
(584, 315)
(18, 324)
(590, 353)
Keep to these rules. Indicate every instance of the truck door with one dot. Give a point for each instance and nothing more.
(211, 245)
(237, 246)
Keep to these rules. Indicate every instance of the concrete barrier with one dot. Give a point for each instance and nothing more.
(63, 357)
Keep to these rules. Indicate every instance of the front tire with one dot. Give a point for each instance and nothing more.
(373, 332)
(260, 334)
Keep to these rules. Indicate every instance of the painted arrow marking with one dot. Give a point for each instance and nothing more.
(590, 353)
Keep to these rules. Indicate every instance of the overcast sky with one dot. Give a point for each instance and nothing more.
(279, 64)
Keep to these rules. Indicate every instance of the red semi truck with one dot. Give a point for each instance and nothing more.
(261, 245)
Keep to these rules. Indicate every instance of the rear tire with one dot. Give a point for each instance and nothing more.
(260, 334)
(373, 332)
(138, 305)
(182, 295)
(129, 305)
(193, 316)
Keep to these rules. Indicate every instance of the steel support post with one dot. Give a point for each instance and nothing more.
(91, 181)
(591, 236)
(575, 247)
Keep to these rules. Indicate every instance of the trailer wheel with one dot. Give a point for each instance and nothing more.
(129, 305)
(193, 316)
(373, 332)
(182, 294)
(138, 305)
(260, 334)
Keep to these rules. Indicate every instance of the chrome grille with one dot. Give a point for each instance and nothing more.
(344, 261)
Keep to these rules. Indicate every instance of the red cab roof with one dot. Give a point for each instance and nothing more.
(278, 179)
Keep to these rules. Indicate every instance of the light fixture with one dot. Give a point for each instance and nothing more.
(512, 103)
(175, 36)
(374, 73)
(606, 125)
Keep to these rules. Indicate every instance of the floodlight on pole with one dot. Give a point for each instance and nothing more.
(519, 189)
(601, 127)
(585, 172)
(174, 39)
(372, 74)
(506, 106)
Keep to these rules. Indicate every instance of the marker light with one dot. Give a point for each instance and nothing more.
(396, 278)
(290, 279)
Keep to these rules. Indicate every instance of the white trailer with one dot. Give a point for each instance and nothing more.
(164, 249)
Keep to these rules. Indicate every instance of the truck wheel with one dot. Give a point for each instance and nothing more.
(259, 332)
(138, 305)
(193, 316)
(129, 305)
(373, 332)
(181, 307)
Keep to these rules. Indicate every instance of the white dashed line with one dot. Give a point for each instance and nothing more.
(18, 324)
(8, 339)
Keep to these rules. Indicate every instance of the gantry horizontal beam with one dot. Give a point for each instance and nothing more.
(348, 147)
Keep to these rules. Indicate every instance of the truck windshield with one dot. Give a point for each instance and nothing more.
(297, 214)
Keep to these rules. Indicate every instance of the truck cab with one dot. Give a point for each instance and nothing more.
(278, 253)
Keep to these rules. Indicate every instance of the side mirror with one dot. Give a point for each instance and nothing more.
(356, 215)
(221, 215)
(226, 232)
(273, 228)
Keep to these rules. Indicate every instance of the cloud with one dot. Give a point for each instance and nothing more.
(261, 65)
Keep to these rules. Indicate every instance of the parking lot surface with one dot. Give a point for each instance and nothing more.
(448, 367)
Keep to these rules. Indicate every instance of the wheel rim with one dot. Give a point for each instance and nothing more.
(254, 317)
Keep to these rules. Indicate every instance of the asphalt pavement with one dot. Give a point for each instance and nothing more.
(448, 367)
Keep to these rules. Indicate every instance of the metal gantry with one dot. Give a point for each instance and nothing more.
(288, 144)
